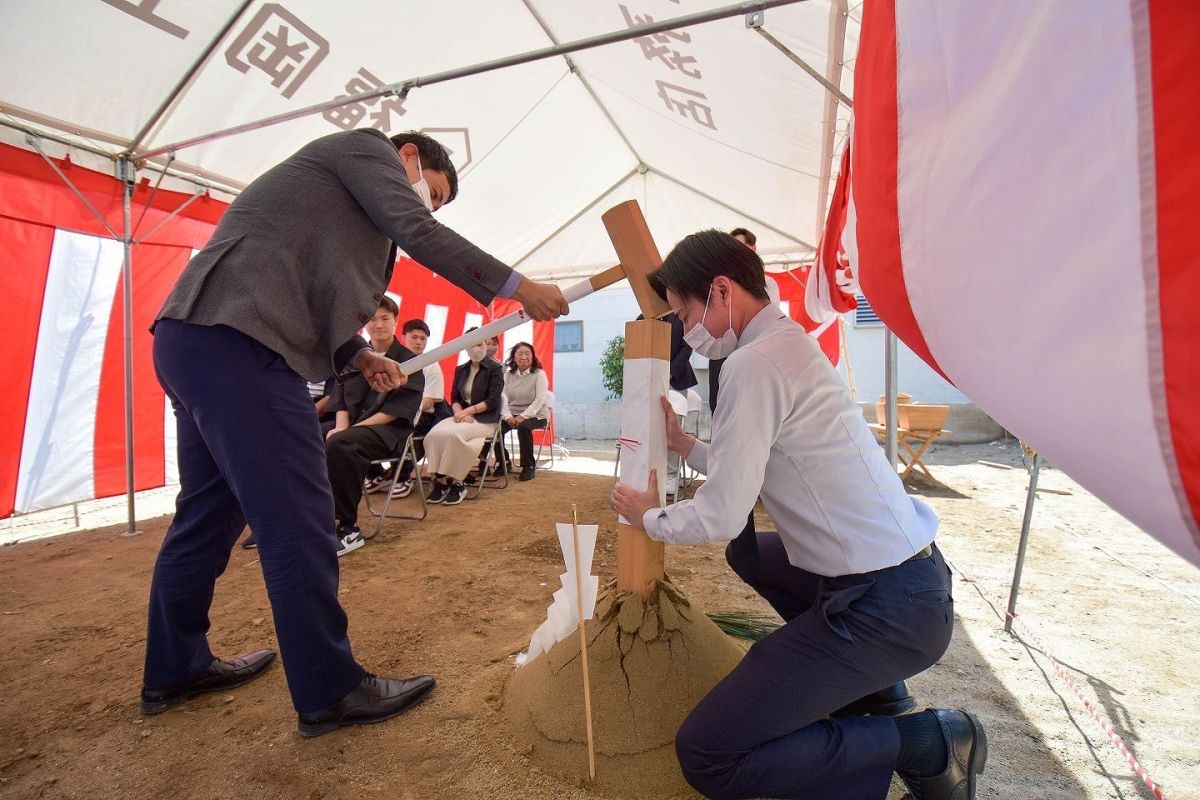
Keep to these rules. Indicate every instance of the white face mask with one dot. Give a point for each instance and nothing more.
(703, 342)
(476, 353)
(421, 187)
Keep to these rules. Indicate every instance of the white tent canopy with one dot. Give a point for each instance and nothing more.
(712, 125)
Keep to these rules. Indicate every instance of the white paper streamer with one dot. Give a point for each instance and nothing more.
(643, 424)
(562, 615)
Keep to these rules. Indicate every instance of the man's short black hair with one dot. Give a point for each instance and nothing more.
(416, 325)
(750, 238)
(692, 265)
(389, 305)
(433, 156)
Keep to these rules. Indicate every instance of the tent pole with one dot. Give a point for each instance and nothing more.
(804, 65)
(182, 207)
(586, 83)
(833, 70)
(173, 95)
(401, 88)
(889, 378)
(735, 210)
(126, 173)
(33, 142)
(1030, 499)
(577, 215)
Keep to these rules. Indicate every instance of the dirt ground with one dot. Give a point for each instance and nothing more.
(459, 594)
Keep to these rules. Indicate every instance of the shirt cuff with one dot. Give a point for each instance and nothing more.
(650, 523)
(698, 458)
(510, 286)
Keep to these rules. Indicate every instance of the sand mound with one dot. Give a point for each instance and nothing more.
(650, 662)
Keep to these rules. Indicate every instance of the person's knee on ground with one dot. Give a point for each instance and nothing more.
(742, 556)
(705, 765)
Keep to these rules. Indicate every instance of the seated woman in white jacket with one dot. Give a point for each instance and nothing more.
(528, 393)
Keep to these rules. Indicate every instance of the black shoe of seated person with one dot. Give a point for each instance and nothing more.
(527, 474)
(437, 492)
(455, 494)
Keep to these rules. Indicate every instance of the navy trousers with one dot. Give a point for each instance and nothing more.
(763, 731)
(250, 451)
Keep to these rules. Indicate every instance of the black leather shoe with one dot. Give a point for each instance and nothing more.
(526, 475)
(219, 676)
(373, 700)
(888, 702)
(967, 746)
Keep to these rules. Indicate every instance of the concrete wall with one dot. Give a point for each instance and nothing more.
(865, 346)
(577, 376)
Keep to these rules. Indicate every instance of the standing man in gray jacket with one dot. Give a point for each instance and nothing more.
(297, 264)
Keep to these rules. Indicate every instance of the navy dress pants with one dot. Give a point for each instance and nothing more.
(250, 451)
(763, 731)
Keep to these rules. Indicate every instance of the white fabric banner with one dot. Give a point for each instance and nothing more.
(60, 422)
(643, 425)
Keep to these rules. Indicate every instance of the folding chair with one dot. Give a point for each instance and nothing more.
(540, 437)
(488, 473)
(691, 426)
(409, 451)
(915, 424)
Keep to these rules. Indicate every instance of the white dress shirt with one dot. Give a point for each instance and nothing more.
(435, 387)
(435, 382)
(786, 428)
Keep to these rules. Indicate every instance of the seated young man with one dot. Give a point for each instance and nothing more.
(434, 407)
(369, 425)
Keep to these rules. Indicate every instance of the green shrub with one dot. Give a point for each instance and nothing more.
(612, 367)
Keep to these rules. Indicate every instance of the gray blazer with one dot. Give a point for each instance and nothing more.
(300, 259)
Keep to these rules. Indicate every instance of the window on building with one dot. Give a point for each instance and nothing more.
(568, 337)
(864, 315)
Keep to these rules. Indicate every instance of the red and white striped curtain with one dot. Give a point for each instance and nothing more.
(1026, 184)
(62, 436)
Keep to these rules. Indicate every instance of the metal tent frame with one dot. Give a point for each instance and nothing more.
(132, 157)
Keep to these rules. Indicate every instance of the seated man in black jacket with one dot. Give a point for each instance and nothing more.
(370, 425)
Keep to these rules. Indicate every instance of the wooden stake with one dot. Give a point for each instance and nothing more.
(639, 558)
(587, 691)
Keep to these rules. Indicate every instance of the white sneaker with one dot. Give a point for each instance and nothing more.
(379, 484)
(350, 541)
(404, 488)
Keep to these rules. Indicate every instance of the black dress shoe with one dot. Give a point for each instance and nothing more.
(967, 746)
(373, 700)
(891, 701)
(526, 475)
(219, 676)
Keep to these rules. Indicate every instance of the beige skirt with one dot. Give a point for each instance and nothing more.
(453, 447)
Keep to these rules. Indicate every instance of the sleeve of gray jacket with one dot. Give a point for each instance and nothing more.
(367, 164)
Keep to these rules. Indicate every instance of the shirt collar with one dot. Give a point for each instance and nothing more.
(760, 324)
